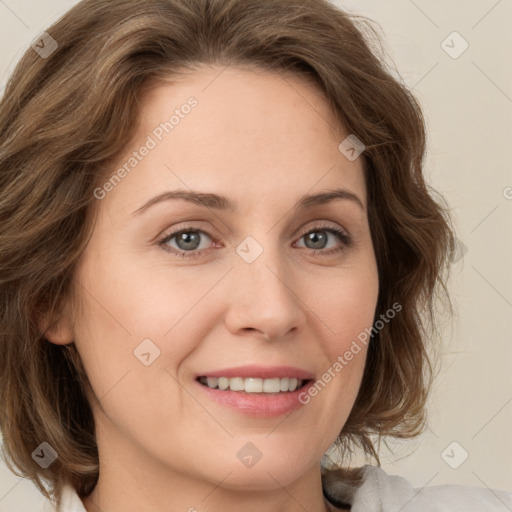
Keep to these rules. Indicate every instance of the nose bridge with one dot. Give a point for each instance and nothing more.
(264, 298)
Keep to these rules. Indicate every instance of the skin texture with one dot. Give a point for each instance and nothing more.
(263, 141)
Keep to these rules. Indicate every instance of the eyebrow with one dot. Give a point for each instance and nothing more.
(219, 202)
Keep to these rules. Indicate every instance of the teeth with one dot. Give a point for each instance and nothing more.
(223, 383)
(211, 382)
(253, 385)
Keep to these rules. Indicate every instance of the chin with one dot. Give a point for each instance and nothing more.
(263, 475)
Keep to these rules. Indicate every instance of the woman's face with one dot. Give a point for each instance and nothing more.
(265, 283)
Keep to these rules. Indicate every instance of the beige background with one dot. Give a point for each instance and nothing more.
(468, 106)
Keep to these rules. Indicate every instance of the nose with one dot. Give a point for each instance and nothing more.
(264, 299)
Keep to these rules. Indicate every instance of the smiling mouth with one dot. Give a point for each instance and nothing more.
(254, 385)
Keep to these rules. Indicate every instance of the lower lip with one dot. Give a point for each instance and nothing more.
(256, 404)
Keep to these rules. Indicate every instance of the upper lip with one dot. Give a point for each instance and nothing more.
(261, 372)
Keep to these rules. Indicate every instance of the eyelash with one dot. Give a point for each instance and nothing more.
(342, 235)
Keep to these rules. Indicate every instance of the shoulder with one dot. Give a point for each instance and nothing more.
(370, 487)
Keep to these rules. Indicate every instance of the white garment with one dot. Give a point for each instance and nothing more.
(380, 492)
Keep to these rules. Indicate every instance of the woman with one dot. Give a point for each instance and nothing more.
(219, 257)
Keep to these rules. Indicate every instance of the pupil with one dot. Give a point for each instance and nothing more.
(190, 239)
(315, 238)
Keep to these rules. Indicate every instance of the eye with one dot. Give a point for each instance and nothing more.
(188, 242)
(317, 239)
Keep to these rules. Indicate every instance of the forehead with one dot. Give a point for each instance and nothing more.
(244, 102)
(251, 132)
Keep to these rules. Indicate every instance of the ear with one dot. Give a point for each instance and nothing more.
(58, 329)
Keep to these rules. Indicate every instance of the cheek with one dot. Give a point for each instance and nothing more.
(347, 307)
(128, 360)
(345, 312)
(131, 310)
(131, 299)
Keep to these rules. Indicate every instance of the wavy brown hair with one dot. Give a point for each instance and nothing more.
(65, 118)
